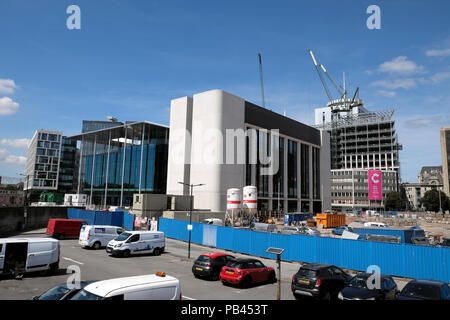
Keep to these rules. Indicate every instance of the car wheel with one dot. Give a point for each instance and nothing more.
(246, 282)
(327, 296)
(297, 296)
(97, 245)
(215, 276)
(272, 277)
(61, 236)
(126, 254)
(156, 251)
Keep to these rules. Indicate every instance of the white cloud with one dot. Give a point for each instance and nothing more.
(15, 143)
(438, 53)
(9, 159)
(8, 106)
(388, 94)
(440, 76)
(7, 86)
(406, 83)
(400, 66)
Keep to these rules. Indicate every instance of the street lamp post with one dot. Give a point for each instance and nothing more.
(191, 187)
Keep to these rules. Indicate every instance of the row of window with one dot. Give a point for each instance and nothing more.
(49, 137)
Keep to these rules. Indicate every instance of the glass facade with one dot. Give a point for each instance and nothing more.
(288, 189)
(111, 166)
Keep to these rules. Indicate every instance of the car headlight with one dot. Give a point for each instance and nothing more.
(119, 245)
(340, 296)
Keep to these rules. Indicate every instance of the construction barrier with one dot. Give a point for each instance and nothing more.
(104, 218)
(403, 260)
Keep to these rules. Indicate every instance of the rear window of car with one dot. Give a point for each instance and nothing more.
(235, 264)
(421, 291)
(204, 259)
(306, 273)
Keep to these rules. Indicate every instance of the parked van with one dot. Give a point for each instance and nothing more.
(64, 228)
(137, 242)
(157, 286)
(21, 255)
(98, 236)
(375, 224)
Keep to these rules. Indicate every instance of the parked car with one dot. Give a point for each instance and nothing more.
(22, 255)
(425, 290)
(210, 264)
(289, 230)
(321, 281)
(445, 242)
(62, 291)
(310, 231)
(263, 227)
(359, 288)
(98, 236)
(157, 286)
(213, 221)
(246, 271)
(340, 230)
(375, 224)
(137, 242)
(64, 228)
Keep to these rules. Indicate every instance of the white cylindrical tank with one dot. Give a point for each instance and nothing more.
(250, 199)
(233, 198)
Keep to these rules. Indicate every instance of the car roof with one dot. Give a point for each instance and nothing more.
(214, 255)
(15, 240)
(121, 285)
(315, 266)
(100, 226)
(79, 220)
(143, 232)
(366, 275)
(426, 282)
(243, 260)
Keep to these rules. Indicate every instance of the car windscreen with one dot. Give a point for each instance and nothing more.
(204, 259)
(85, 295)
(55, 293)
(123, 236)
(421, 291)
(307, 273)
(358, 282)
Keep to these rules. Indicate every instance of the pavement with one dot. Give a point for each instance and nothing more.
(98, 265)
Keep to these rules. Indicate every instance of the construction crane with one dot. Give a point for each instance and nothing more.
(319, 67)
(261, 79)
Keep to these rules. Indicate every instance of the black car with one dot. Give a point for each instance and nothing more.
(425, 290)
(319, 281)
(209, 265)
(361, 287)
(62, 291)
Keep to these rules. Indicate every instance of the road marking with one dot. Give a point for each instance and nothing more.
(73, 260)
(184, 297)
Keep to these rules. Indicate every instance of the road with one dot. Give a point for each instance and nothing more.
(98, 265)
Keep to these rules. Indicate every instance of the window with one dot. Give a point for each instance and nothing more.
(134, 238)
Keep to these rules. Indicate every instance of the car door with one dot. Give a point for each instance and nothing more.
(340, 278)
(39, 255)
(262, 271)
(2, 256)
(134, 244)
(253, 271)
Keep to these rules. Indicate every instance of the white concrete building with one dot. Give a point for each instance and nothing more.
(222, 141)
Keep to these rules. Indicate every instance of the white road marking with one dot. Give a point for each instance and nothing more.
(73, 260)
(184, 297)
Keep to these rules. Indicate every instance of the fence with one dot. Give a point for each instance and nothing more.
(403, 260)
(116, 218)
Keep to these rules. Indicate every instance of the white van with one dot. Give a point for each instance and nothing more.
(98, 236)
(137, 242)
(21, 255)
(157, 286)
(375, 224)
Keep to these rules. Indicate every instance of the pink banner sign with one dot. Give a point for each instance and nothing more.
(375, 185)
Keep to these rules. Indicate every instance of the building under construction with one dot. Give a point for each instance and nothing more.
(360, 140)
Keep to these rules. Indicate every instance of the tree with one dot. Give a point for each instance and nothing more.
(431, 201)
(394, 201)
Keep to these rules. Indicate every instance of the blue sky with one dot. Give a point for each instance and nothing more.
(130, 58)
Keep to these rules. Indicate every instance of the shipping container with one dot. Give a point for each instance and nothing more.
(330, 220)
(407, 235)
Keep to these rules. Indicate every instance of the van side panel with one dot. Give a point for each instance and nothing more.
(40, 255)
(2, 256)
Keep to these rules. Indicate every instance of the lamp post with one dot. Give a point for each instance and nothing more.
(191, 187)
(278, 252)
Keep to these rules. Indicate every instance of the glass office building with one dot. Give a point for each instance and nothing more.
(118, 161)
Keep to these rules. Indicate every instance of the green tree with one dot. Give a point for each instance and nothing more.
(431, 201)
(394, 201)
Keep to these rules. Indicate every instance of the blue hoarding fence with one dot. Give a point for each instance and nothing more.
(105, 218)
(403, 260)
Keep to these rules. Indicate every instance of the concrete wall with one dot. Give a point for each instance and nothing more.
(37, 217)
(197, 216)
(147, 205)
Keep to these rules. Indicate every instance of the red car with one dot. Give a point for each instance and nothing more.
(245, 271)
(64, 228)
